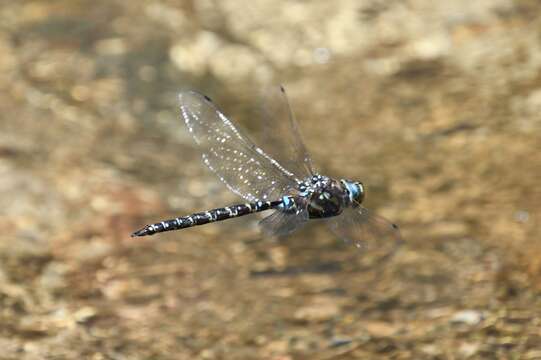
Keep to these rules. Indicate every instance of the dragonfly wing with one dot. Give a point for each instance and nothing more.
(281, 223)
(280, 133)
(370, 233)
(232, 156)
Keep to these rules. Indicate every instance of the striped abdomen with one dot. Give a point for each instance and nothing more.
(206, 217)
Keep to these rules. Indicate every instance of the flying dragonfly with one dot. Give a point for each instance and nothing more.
(285, 183)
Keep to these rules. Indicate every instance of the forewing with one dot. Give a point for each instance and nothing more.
(372, 234)
(239, 163)
(280, 133)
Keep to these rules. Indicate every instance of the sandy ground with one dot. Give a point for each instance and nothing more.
(435, 106)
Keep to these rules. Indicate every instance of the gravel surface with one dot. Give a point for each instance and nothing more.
(435, 106)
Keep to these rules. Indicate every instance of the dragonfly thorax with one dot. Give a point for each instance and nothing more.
(325, 197)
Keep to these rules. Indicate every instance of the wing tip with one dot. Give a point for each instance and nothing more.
(182, 95)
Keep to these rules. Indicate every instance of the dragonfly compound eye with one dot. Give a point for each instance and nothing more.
(354, 189)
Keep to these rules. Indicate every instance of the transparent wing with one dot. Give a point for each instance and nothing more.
(370, 233)
(241, 165)
(280, 223)
(280, 133)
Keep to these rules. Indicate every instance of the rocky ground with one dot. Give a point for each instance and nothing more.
(434, 105)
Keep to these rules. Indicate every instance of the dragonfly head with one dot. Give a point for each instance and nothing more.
(354, 189)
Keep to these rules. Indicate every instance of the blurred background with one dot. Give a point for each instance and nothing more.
(435, 106)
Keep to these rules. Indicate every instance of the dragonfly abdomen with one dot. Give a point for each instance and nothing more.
(201, 218)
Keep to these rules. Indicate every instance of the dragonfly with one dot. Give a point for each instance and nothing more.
(284, 183)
